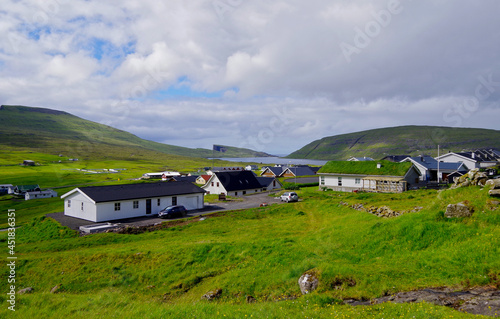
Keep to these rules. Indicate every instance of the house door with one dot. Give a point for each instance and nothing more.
(148, 206)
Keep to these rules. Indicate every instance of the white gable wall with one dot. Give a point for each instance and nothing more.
(454, 158)
(348, 182)
(73, 207)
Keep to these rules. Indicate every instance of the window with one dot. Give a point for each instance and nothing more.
(69, 203)
(235, 193)
(322, 179)
(174, 200)
(340, 181)
(212, 184)
(217, 184)
(158, 202)
(117, 206)
(82, 206)
(357, 181)
(136, 204)
(244, 192)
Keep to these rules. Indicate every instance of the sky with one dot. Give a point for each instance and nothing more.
(272, 76)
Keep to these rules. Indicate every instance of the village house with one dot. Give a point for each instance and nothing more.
(40, 194)
(233, 183)
(269, 183)
(22, 189)
(383, 176)
(297, 171)
(105, 203)
(203, 179)
(4, 188)
(272, 171)
(480, 158)
(430, 167)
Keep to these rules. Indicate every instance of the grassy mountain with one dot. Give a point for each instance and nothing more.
(56, 132)
(411, 140)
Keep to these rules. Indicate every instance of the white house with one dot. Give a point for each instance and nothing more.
(40, 194)
(105, 203)
(480, 158)
(383, 176)
(429, 167)
(269, 183)
(233, 183)
(360, 159)
(4, 188)
(251, 167)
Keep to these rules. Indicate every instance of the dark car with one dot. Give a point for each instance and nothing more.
(173, 212)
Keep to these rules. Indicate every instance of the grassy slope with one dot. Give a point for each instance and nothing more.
(262, 252)
(56, 132)
(411, 140)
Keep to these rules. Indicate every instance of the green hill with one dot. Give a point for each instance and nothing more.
(410, 140)
(55, 132)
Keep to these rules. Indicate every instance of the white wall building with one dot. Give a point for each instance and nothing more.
(105, 203)
(233, 183)
(40, 194)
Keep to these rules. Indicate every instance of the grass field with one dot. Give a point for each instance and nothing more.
(261, 253)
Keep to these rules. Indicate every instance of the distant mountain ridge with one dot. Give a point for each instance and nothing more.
(55, 132)
(409, 140)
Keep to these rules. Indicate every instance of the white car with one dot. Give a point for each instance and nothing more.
(289, 197)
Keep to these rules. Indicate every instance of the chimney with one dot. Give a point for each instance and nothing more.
(473, 155)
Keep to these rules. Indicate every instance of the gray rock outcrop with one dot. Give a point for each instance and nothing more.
(458, 210)
(308, 282)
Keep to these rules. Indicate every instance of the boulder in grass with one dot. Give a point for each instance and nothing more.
(308, 282)
(27, 290)
(458, 210)
(211, 295)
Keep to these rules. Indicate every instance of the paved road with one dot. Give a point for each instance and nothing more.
(243, 202)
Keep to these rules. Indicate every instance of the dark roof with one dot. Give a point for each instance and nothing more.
(241, 180)
(137, 191)
(431, 163)
(482, 155)
(191, 179)
(265, 181)
(275, 170)
(301, 171)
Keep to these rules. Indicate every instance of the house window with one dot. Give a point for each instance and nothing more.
(217, 184)
(136, 204)
(69, 203)
(82, 206)
(212, 184)
(274, 183)
(340, 181)
(244, 192)
(322, 180)
(158, 202)
(235, 193)
(117, 206)
(357, 181)
(174, 200)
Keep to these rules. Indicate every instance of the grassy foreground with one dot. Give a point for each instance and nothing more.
(261, 253)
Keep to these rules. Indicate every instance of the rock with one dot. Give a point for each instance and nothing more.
(27, 290)
(494, 182)
(251, 299)
(458, 210)
(308, 282)
(494, 192)
(211, 295)
(56, 289)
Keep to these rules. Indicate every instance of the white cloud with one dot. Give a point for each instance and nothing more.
(107, 61)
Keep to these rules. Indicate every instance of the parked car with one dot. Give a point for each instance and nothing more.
(289, 197)
(173, 212)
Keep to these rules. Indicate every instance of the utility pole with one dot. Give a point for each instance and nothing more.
(438, 166)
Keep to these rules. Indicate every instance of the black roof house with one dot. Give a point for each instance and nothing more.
(240, 180)
(100, 194)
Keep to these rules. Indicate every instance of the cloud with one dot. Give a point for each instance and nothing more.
(224, 71)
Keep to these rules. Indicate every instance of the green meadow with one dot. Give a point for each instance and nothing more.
(262, 252)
